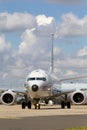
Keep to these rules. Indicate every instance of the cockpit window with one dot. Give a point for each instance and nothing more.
(37, 78)
(30, 79)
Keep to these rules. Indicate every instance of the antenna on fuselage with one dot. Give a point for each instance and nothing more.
(52, 54)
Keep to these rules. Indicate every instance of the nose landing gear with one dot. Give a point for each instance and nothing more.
(37, 106)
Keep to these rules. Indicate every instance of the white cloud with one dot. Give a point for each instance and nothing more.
(70, 73)
(57, 51)
(27, 45)
(70, 67)
(16, 21)
(33, 51)
(45, 25)
(4, 47)
(34, 48)
(33, 39)
(82, 52)
(43, 20)
(72, 26)
(5, 75)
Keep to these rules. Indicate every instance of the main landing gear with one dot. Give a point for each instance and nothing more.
(65, 103)
(28, 104)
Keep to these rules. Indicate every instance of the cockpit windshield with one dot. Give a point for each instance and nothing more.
(31, 79)
(37, 78)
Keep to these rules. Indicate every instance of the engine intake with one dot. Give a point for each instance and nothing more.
(8, 97)
(78, 97)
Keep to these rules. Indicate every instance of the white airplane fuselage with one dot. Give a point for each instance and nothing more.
(39, 84)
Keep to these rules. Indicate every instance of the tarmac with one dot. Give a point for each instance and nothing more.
(46, 118)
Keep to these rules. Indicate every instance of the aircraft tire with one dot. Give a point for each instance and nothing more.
(68, 105)
(63, 105)
(29, 105)
(37, 106)
(23, 105)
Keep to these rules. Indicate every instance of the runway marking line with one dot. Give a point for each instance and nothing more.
(10, 118)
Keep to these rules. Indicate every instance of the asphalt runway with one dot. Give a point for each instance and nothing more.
(47, 118)
(44, 123)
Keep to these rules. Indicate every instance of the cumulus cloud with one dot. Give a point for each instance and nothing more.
(32, 38)
(4, 47)
(35, 45)
(71, 26)
(46, 25)
(16, 21)
(29, 39)
(33, 48)
(43, 20)
(5, 52)
(70, 73)
(82, 52)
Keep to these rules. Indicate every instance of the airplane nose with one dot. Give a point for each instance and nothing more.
(34, 88)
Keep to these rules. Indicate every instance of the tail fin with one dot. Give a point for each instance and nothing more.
(52, 56)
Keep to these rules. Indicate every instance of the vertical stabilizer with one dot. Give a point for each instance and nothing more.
(52, 55)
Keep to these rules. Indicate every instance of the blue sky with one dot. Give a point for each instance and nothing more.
(25, 38)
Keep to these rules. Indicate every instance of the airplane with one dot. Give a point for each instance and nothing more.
(40, 85)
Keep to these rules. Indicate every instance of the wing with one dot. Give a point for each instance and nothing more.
(66, 79)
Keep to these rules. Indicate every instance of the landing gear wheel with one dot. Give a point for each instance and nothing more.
(62, 105)
(29, 104)
(68, 105)
(23, 105)
(37, 106)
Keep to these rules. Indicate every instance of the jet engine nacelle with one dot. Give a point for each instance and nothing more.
(78, 97)
(8, 97)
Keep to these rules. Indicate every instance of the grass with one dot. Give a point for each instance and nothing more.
(78, 128)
